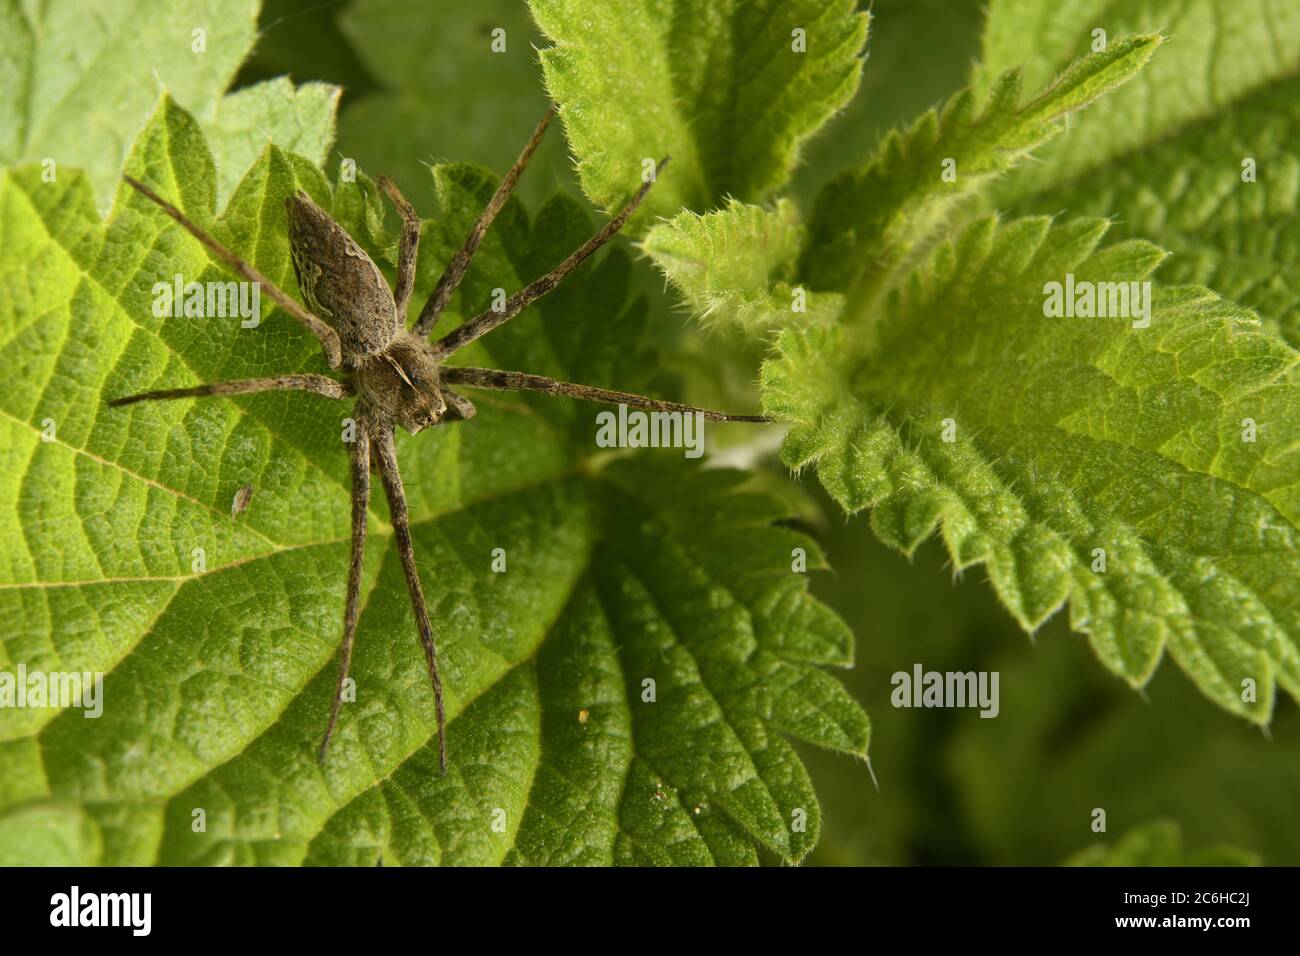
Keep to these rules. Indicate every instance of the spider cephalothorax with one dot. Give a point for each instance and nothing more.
(402, 385)
(398, 377)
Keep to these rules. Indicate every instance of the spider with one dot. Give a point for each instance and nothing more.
(398, 377)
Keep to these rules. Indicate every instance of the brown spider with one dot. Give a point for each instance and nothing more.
(397, 376)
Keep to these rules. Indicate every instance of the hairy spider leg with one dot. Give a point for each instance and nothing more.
(359, 456)
(523, 381)
(485, 322)
(386, 458)
(329, 339)
(455, 270)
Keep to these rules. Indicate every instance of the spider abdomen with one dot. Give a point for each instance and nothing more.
(339, 282)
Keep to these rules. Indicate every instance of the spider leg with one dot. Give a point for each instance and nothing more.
(484, 323)
(455, 270)
(321, 385)
(408, 247)
(459, 408)
(328, 338)
(359, 454)
(522, 381)
(386, 458)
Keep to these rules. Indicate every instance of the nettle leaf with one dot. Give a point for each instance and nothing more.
(921, 50)
(867, 222)
(1199, 152)
(1038, 445)
(1160, 844)
(297, 119)
(1210, 64)
(219, 672)
(87, 118)
(734, 266)
(76, 87)
(744, 264)
(729, 89)
(1045, 449)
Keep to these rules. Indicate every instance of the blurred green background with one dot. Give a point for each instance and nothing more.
(953, 788)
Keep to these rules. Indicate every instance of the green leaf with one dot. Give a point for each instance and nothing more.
(1166, 154)
(1160, 844)
(76, 87)
(1020, 790)
(921, 50)
(1222, 54)
(869, 222)
(218, 677)
(1030, 442)
(1067, 436)
(298, 119)
(722, 87)
(733, 266)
